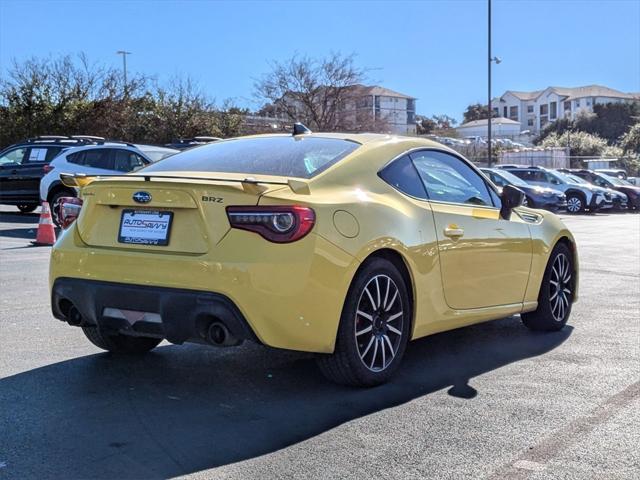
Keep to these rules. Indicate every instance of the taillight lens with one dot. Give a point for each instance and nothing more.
(279, 224)
(47, 168)
(69, 210)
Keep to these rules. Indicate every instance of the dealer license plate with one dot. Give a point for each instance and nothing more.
(145, 227)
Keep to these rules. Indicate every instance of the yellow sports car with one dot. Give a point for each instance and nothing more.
(347, 245)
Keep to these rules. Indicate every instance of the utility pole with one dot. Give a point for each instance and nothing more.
(489, 106)
(124, 67)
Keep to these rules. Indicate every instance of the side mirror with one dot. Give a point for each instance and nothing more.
(511, 198)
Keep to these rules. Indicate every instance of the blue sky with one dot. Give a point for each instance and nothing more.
(434, 50)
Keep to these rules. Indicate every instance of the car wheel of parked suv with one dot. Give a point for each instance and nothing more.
(374, 328)
(27, 208)
(556, 293)
(118, 343)
(575, 203)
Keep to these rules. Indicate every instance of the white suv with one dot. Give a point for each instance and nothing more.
(101, 159)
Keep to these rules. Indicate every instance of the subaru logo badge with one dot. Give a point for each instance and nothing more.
(142, 197)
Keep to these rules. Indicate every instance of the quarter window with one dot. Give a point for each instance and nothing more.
(126, 161)
(449, 179)
(402, 175)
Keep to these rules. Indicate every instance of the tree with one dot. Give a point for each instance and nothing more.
(444, 122)
(317, 92)
(581, 144)
(425, 125)
(630, 141)
(476, 111)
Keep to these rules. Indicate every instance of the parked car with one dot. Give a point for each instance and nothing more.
(103, 158)
(618, 200)
(613, 172)
(620, 185)
(23, 164)
(346, 245)
(580, 197)
(535, 197)
(184, 143)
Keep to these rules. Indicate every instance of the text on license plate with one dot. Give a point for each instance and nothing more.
(145, 227)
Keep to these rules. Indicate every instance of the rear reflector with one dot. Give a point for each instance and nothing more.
(279, 224)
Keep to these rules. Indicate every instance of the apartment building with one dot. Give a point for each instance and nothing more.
(536, 109)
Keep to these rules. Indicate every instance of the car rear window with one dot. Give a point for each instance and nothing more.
(289, 156)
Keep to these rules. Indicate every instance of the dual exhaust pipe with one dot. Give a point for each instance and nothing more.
(217, 333)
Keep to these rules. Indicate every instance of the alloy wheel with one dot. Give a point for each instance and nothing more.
(560, 287)
(379, 323)
(574, 204)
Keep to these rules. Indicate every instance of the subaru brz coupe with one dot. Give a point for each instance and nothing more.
(346, 245)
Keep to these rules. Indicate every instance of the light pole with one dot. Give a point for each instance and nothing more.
(124, 67)
(489, 106)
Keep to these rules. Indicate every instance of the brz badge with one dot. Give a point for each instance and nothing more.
(142, 197)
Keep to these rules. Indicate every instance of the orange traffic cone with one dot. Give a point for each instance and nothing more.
(46, 233)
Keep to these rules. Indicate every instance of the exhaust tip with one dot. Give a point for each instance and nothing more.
(74, 317)
(217, 333)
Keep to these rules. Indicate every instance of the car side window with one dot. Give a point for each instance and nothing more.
(13, 157)
(523, 174)
(126, 161)
(402, 175)
(449, 179)
(98, 158)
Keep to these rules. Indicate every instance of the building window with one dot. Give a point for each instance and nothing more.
(529, 108)
(530, 122)
(577, 103)
(504, 112)
(496, 112)
(588, 102)
(513, 113)
(553, 107)
(543, 121)
(567, 106)
(544, 109)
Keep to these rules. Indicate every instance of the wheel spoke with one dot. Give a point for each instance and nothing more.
(375, 353)
(365, 315)
(393, 353)
(393, 300)
(394, 316)
(394, 329)
(554, 295)
(386, 295)
(566, 290)
(384, 356)
(364, 330)
(378, 291)
(373, 304)
(366, 350)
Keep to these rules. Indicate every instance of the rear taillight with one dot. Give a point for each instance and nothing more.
(48, 168)
(69, 210)
(279, 224)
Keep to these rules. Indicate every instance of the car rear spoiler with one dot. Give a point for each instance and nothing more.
(249, 184)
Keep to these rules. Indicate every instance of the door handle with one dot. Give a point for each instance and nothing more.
(453, 231)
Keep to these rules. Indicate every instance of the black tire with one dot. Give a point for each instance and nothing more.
(354, 363)
(550, 316)
(54, 201)
(27, 208)
(118, 343)
(575, 203)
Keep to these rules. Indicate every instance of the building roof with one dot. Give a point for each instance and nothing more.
(379, 91)
(494, 121)
(574, 92)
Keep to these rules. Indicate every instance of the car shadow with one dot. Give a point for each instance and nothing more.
(18, 217)
(183, 409)
(20, 232)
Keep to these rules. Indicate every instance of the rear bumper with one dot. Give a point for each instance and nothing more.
(291, 296)
(184, 315)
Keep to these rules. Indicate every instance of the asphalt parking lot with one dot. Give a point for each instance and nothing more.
(488, 401)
